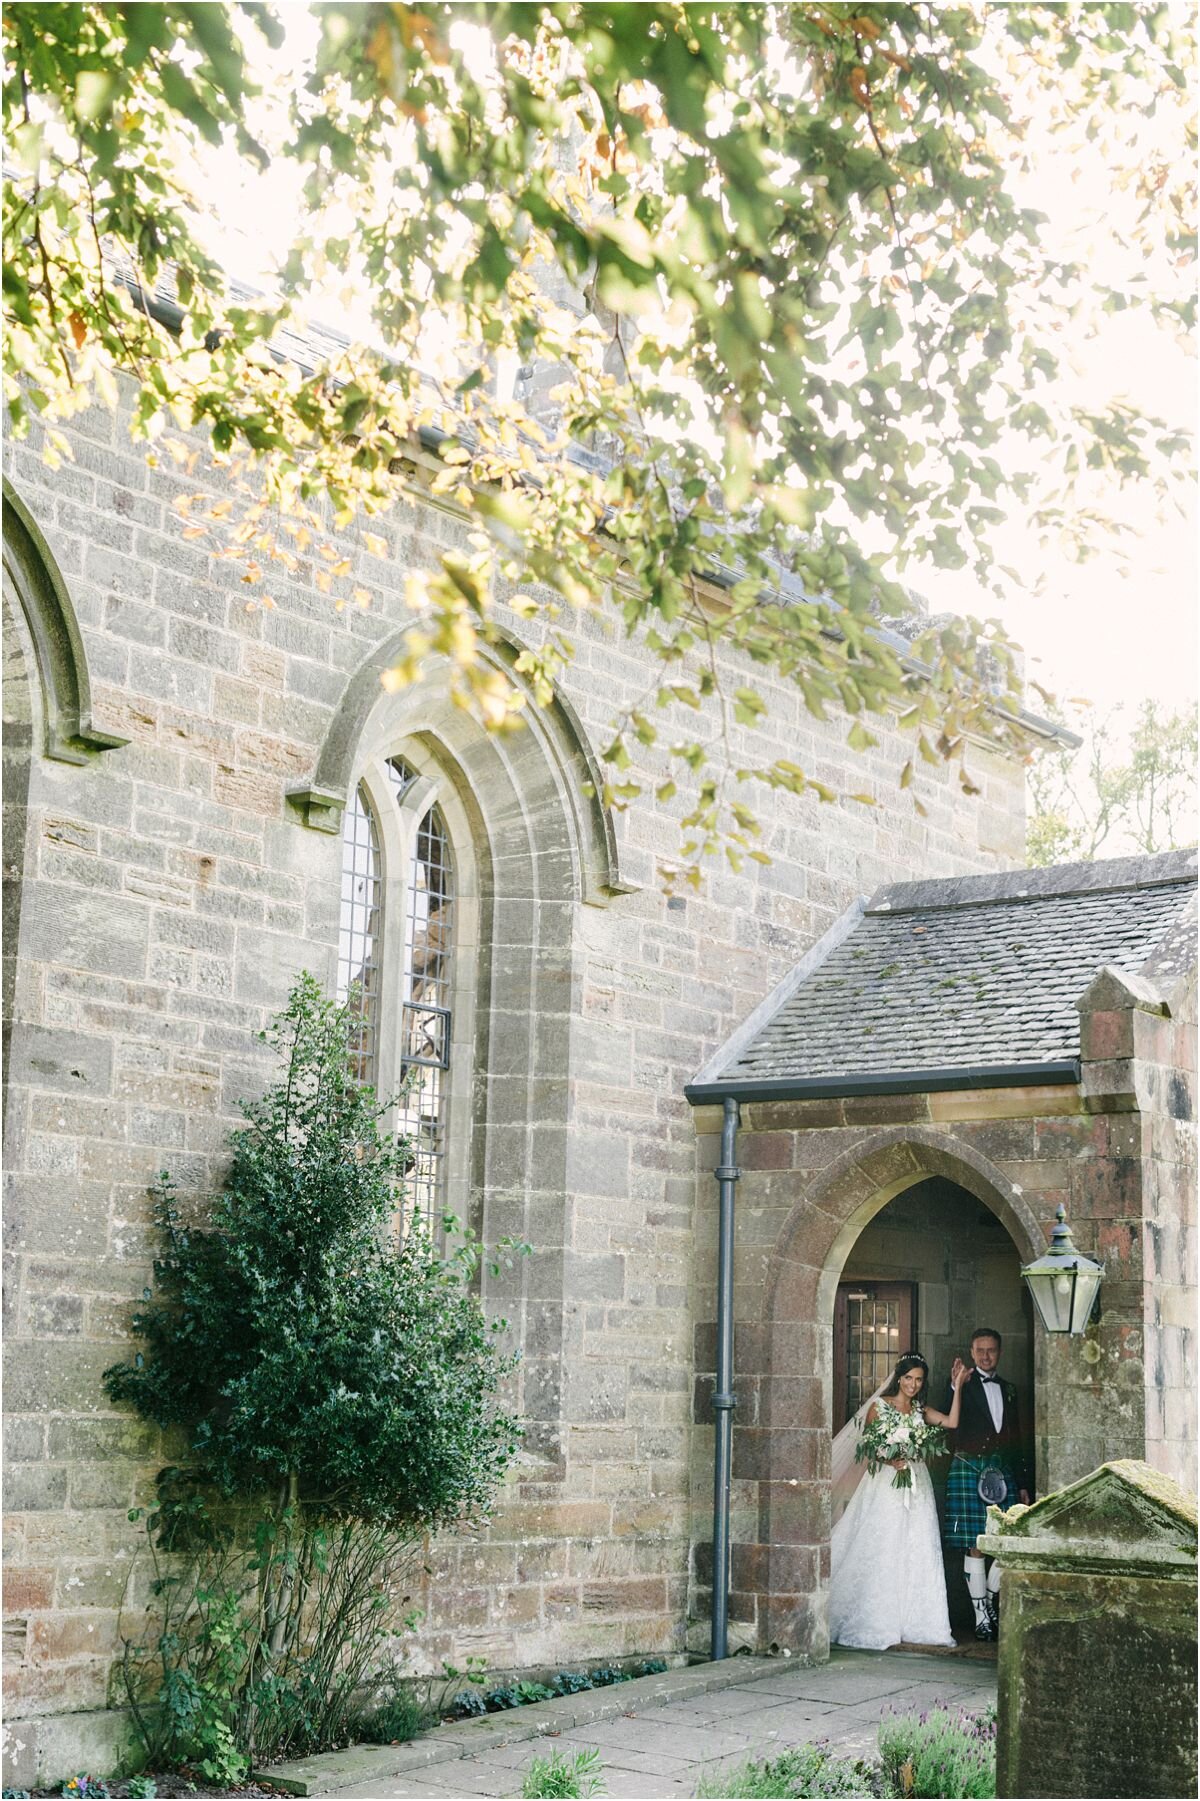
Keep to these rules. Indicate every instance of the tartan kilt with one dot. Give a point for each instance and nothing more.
(966, 1511)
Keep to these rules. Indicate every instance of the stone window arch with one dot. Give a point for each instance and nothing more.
(532, 843)
(407, 949)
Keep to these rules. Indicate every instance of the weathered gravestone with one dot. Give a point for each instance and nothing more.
(1097, 1665)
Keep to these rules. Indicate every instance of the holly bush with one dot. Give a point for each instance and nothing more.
(304, 1340)
(338, 1386)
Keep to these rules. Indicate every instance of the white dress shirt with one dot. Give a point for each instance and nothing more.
(995, 1401)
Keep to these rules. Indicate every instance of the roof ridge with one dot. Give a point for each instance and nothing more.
(1113, 875)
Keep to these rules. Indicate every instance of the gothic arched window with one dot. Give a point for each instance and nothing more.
(397, 957)
(426, 996)
(358, 936)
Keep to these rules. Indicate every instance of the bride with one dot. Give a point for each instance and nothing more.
(887, 1583)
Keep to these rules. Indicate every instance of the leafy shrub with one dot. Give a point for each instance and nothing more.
(531, 1692)
(306, 1348)
(408, 1705)
(938, 1753)
(400, 1718)
(570, 1682)
(558, 1775)
(808, 1770)
(142, 1788)
(498, 1699)
(467, 1703)
(337, 1377)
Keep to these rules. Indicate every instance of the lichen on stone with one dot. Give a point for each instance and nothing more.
(1158, 1487)
(1000, 1519)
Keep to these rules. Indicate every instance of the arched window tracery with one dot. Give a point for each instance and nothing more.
(398, 948)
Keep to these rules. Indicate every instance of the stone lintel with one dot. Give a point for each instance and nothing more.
(1005, 1103)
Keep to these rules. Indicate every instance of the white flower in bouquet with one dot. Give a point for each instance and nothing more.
(906, 1439)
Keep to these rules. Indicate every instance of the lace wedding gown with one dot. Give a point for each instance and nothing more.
(887, 1583)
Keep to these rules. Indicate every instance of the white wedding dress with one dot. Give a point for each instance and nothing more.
(887, 1583)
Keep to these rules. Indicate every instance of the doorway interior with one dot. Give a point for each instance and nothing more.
(932, 1265)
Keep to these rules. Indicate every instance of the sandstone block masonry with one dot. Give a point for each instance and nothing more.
(162, 889)
(1117, 1149)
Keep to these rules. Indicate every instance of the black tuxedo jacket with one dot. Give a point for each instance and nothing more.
(976, 1435)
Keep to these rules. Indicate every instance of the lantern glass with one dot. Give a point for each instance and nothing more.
(1086, 1285)
(1063, 1283)
(1053, 1292)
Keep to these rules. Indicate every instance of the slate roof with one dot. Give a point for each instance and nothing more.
(969, 975)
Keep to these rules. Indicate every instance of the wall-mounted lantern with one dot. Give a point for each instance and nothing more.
(1064, 1283)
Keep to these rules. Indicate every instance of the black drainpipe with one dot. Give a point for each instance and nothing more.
(724, 1399)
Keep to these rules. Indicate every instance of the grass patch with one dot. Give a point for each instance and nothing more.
(559, 1775)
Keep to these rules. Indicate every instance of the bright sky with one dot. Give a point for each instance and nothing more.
(1088, 629)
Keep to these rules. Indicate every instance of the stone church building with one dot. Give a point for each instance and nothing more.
(202, 799)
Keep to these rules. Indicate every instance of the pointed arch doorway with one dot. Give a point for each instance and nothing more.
(933, 1265)
(836, 1224)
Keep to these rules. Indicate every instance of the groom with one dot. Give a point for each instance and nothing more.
(990, 1468)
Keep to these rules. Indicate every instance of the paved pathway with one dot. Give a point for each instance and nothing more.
(663, 1751)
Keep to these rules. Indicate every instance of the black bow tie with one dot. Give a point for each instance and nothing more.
(984, 1378)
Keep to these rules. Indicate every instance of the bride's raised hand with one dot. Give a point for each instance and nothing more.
(959, 1373)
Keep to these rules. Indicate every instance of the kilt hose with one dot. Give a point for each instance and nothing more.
(966, 1510)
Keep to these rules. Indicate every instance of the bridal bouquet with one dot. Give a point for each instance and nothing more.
(892, 1435)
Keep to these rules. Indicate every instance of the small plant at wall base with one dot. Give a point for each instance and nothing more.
(936, 1754)
(549, 1778)
(795, 1775)
(403, 1707)
(337, 1383)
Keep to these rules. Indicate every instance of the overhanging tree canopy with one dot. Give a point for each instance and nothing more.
(771, 253)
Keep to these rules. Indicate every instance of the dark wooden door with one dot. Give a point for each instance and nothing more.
(873, 1325)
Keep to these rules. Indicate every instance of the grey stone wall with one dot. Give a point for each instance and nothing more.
(170, 892)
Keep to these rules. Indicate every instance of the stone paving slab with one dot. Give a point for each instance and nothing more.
(618, 1757)
(791, 1723)
(654, 1749)
(335, 1771)
(713, 1710)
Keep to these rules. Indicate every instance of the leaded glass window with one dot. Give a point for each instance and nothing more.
(397, 973)
(426, 997)
(358, 936)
